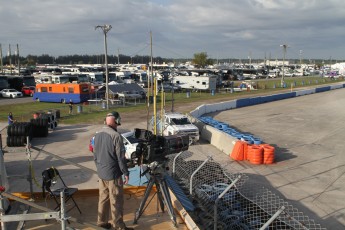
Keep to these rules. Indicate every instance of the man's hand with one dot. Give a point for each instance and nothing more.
(126, 180)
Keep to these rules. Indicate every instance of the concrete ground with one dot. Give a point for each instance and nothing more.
(306, 131)
(308, 134)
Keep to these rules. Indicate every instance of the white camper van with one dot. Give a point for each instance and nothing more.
(196, 82)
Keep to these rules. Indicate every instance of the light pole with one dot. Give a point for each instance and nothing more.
(105, 29)
(284, 53)
(18, 59)
(118, 57)
(1, 63)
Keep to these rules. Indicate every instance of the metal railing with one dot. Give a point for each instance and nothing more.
(227, 200)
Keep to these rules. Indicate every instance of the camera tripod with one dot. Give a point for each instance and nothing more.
(156, 172)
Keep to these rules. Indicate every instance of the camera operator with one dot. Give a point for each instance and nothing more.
(109, 156)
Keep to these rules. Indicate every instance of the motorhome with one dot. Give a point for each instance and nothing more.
(96, 78)
(16, 82)
(3, 82)
(140, 78)
(60, 79)
(196, 82)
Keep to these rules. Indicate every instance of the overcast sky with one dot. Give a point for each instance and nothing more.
(180, 28)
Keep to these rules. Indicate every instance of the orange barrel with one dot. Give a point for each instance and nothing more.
(268, 154)
(249, 152)
(256, 155)
(245, 150)
(238, 151)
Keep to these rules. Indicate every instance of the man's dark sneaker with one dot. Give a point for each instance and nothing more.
(105, 225)
(125, 228)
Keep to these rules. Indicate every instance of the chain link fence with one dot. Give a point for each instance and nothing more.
(225, 200)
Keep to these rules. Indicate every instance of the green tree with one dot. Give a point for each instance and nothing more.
(201, 60)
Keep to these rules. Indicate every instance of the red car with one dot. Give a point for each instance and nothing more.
(28, 90)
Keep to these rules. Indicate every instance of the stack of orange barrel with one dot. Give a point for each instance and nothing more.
(255, 154)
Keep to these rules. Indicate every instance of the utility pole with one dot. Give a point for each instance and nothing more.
(105, 29)
(250, 63)
(18, 60)
(150, 80)
(172, 95)
(118, 57)
(284, 54)
(151, 59)
(1, 63)
(9, 56)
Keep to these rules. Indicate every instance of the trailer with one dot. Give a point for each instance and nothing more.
(16, 82)
(62, 93)
(196, 82)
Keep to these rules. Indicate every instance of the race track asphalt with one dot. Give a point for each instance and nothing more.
(308, 135)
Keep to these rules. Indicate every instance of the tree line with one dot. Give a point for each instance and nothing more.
(32, 60)
(199, 59)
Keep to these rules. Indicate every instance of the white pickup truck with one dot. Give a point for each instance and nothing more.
(177, 123)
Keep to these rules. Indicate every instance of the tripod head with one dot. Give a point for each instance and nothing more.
(155, 168)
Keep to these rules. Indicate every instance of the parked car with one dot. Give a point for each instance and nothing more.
(11, 93)
(298, 74)
(272, 74)
(289, 74)
(130, 142)
(28, 91)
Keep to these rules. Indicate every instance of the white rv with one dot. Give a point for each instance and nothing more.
(96, 77)
(196, 82)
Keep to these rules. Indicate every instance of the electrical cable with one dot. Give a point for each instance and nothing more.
(31, 168)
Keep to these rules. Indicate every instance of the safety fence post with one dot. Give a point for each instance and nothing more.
(174, 163)
(220, 197)
(191, 177)
(280, 210)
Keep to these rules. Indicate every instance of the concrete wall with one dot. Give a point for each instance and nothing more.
(221, 140)
(305, 92)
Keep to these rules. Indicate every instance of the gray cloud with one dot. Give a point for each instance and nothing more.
(222, 28)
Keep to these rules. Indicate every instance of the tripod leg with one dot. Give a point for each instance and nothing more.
(167, 198)
(141, 209)
(160, 197)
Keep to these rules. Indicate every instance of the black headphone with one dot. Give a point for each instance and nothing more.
(118, 120)
(117, 117)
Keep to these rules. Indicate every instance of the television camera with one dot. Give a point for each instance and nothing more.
(155, 148)
(152, 151)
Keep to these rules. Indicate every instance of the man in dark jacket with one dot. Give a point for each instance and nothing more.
(109, 154)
